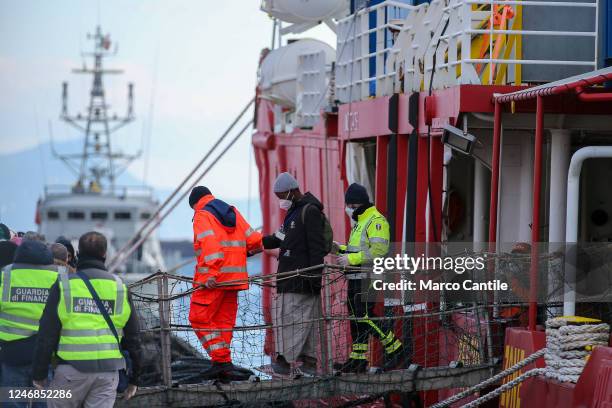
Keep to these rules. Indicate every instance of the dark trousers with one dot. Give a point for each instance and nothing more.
(360, 307)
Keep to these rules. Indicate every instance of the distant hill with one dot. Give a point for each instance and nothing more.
(24, 174)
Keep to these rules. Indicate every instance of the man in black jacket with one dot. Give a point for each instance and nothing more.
(96, 385)
(301, 244)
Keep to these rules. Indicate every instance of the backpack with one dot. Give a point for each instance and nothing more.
(328, 232)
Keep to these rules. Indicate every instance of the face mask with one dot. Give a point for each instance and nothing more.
(285, 204)
(349, 212)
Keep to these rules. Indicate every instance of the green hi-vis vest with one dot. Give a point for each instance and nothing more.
(369, 239)
(24, 290)
(86, 341)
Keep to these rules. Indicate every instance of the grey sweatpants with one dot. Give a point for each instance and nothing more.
(89, 390)
(294, 335)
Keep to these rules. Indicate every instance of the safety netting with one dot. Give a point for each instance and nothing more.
(449, 338)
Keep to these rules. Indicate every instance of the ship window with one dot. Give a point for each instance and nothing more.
(99, 215)
(76, 215)
(123, 215)
(52, 215)
(145, 216)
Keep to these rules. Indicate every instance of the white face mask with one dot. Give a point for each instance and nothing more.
(349, 211)
(285, 204)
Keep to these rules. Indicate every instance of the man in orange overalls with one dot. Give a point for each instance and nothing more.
(222, 240)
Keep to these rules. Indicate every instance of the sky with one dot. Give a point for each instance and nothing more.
(193, 63)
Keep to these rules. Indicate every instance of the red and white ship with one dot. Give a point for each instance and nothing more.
(469, 121)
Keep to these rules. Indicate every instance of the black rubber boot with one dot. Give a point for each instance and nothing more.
(354, 366)
(397, 360)
(217, 371)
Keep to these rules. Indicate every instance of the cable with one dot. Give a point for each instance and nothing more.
(153, 216)
(433, 70)
(143, 235)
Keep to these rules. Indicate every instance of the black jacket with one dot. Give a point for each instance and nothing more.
(19, 352)
(50, 327)
(302, 246)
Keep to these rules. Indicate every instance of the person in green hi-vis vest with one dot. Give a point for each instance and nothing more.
(23, 292)
(72, 326)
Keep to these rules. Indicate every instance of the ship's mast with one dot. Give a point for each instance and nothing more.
(97, 166)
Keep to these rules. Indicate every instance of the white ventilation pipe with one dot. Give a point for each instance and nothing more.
(571, 218)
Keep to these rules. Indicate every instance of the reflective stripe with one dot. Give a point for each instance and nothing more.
(66, 290)
(18, 319)
(198, 252)
(393, 347)
(205, 234)
(214, 255)
(233, 243)
(217, 346)
(387, 339)
(360, 347)
(88, 347)
(120, 296)
(18, 331)
(208, 337)
(249, 232)
(6, 282)
(202, 269)
(379, 240)
(357, 356)
(233, 269)
(352, 248)
(89, 332)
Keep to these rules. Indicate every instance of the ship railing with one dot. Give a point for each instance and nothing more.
(116, 191)
(493, 42)
(163, 302)
(365, 40)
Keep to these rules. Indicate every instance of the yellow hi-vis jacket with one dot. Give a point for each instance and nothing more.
(369, 239)
(24, 290)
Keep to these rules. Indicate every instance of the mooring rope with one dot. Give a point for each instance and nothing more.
(568, 346)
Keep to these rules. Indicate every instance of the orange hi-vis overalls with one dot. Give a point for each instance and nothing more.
(221, 253)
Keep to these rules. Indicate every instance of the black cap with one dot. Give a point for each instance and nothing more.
(197, 193)
(356, 194)
(33, 252)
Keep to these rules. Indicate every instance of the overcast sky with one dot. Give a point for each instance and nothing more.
(204, 52)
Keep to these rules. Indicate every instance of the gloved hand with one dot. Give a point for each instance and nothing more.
(335, 247)
(130, 391)
(40, 385)
(211, 283)
(343, 260)
(280, 235)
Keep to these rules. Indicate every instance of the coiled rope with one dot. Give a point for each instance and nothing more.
(568, 346)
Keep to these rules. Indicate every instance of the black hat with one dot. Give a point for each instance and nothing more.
(7, 252)
(197, 193)
(356, 194)
(33, 252)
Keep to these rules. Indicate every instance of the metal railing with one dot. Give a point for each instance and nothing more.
(365, 40)
(492, 42)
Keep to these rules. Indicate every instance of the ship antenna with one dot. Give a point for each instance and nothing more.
(98, 165)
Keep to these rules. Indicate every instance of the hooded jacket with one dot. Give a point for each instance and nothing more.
(221, 240)
(301, 245)
(19, 352)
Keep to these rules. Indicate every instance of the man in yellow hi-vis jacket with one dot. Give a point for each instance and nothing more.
(369, 239)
